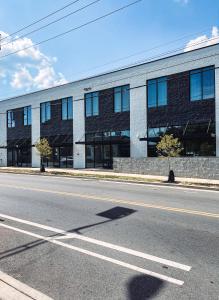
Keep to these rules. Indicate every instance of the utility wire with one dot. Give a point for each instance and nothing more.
(39, 20)
(51, 23)
(75, 28)
(164, 54)
(132, 88)
(154, 57)
(146, 50)
(136, 75)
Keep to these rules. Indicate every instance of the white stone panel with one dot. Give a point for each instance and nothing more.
(217, 108)
(35, 135)
(3, 139)
(78, 131)
(138, 118)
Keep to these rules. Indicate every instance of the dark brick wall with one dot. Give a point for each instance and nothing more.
(180, 109)
(58, 131)
(19, 131)
(107, 120)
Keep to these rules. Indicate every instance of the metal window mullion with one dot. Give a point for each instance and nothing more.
(67, 107)
(92, 104)
(202, 87)
(122, 99)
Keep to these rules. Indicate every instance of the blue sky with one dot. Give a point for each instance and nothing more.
(93, 49)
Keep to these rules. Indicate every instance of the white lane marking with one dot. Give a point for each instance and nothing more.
(102, 243)
(102, 257)
(19, 290)
(129, 251)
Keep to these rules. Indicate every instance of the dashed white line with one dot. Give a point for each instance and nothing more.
(101, 243)
(96, 255)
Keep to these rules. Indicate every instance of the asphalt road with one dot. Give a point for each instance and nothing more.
(85, 239)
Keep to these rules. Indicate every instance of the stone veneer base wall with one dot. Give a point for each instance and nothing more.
(191, 167)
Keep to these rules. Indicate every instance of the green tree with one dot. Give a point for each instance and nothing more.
(169, 147)
(45, 151)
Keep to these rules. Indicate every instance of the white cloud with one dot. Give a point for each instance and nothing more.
(203, 40)
(28, 69)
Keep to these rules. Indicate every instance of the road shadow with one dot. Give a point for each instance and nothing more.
(111, 215)
(144, 287)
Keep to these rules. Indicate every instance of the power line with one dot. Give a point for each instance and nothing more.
(131, 76)
(39, 20)
(154, 57)
(160, 55)
(132, 88)
(75, 28)
(146, 50)
(163, 54)
(51, 23)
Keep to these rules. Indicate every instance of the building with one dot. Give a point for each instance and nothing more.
(118, 114)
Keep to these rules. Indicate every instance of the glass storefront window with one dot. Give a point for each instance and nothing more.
(62, 157)
(19, 156)
(101, 147)
(196, 139)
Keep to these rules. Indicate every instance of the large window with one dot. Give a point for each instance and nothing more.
(157, 92)
(202, 84)
(196, 139)
(121, 99)
(45, 112)
(27, 115)
(101, 147)
(10, 119)
(92, 104)
(67, 108)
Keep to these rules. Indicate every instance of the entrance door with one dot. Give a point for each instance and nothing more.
(19, 157)
(98, 156)
(107, 156)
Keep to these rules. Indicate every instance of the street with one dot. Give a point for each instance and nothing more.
(75, 238)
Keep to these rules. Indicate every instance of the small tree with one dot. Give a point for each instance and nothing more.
(44, 150)
(169, 147)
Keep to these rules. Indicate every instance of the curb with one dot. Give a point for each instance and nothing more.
(11, 288)
(204, 186)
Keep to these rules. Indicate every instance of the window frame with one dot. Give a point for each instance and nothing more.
(123, 89)
(156, 82)
(47, 115)
(69, 114)
(10, 124)
(27, 110)
(91, 96)
(201, 71)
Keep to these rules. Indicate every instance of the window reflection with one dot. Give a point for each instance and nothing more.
(202, 84)
(197, 139)
(157, 92)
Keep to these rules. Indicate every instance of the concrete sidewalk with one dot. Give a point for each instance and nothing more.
(110, 175)
(12, 289)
